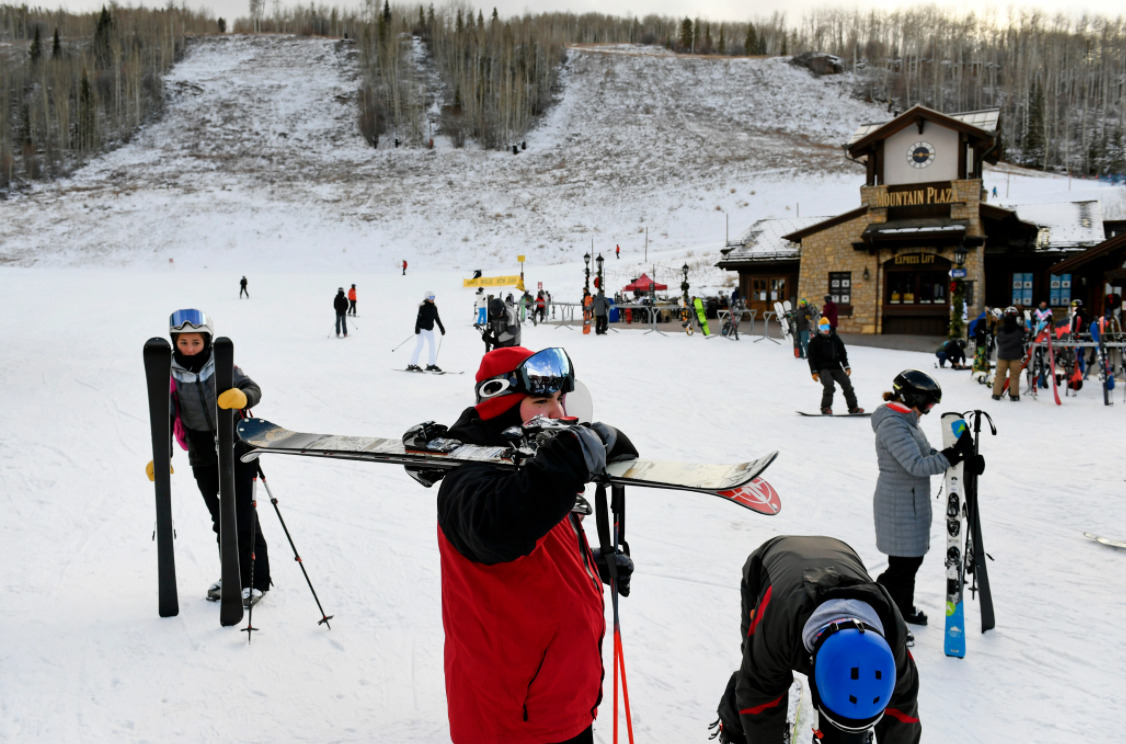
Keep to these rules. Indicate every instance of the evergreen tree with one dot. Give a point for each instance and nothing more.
(36, 52)
(56, 48)
(222, 25)
(387, 12)
(750, 44)
(103, 40)
(686, 34)
(722, 46)
(707, 48)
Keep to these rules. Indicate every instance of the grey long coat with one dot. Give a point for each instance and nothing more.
(902, 504)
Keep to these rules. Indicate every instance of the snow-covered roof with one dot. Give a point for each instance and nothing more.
(1065, 225)
(764, 239)
(985, 120)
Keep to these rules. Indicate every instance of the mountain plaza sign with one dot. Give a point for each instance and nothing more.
(914, 196)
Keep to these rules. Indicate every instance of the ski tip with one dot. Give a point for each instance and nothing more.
(758, 496)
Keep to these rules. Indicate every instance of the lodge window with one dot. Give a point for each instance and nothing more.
(917, 288)
(840, 289)
(1059, 290)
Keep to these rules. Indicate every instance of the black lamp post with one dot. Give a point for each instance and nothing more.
(598, 261)
(958, 294)
(684, 284)
(960, 254)
(586, 260)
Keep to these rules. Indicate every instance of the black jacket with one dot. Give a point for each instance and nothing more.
(827, 352)
(340, 303)
(492, 516)
(427, 317)
(784, 581)
(1010, 342)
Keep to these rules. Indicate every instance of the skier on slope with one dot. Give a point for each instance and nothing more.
(810, 606)
(828, 361)
(193, 401)
(340, 305)
(902, 501)
(522, 603)
(424, 330)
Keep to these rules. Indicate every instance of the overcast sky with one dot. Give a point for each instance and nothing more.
(712, 10)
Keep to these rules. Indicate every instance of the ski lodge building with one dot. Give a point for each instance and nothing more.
(925, 219)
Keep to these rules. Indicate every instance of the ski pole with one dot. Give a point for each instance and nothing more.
(618, 506)
(408, 338)
(249, 629)
(439, 349)
(324, 618)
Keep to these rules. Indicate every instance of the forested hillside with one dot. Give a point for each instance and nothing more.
(73, 84)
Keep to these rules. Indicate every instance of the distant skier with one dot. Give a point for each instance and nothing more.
(352, 301)
(617, 251)
(481, 308)
(810, 606)
(424, 329)
(193, 403)
(340, 305)
(242, 289)
(828, 362)
(1010, 354)
(404, 267)
(503, 329)
(802, 317)
(601, 308)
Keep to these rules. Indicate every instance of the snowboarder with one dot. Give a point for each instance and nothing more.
(541, 306)
(424, 330)
(902, 501)
(192, 410)
(801, 320)
(340, 305)
(503, 329)
(1010, 354)
(242, 289)
(352, 301)
(828, 362)
(953, 351)
(601, 308)
(810, 606)
(523, 621)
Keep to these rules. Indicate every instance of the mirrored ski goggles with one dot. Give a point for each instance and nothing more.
(182, 319)
(543, 373)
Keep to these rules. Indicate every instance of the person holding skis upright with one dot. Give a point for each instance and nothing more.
(192, 407)
(424, 330)
(522, 604)
(340, 305)
(1010, 354)
(810, 606)
(828, 362)
(902, 502)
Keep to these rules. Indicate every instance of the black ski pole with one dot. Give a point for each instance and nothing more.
(324, 618)
(980, 572)
(408, 338)
(249, 629)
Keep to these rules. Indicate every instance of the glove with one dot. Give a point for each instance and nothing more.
(848, 371)
(952, 455)
(152, 474)
(443, 331)
(622, 562)
(416, 438)
(416, 331)
(965, 444)
(975, 464)
(816, 377)
(618, 445)
(593, 450)
(233, 398)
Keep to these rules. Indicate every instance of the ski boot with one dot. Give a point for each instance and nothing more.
(826, 411)
(251, 596)
(915, 617)
(413, 368)
(215, 591)
(433, 368)
(856, 410)
(996, 397)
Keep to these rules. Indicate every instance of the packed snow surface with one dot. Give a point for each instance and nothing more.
(95, 264)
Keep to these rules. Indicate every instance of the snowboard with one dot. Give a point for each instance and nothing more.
(738, 483)
(158, 369)
(1109, 542)
(954, 643)
(863, 414)
(702, 316)
(794, 712)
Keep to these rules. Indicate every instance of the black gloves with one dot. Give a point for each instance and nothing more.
(416, 438)
(601, 444)
(622, 562)
(975, 464)
(960, 450)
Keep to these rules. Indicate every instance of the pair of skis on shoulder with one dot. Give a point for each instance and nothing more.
(158, 369)
(965, 552)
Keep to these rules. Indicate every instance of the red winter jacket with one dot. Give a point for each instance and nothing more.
(521, 599)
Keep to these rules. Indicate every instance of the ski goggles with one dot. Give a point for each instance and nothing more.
(182, 320)
(543, 373)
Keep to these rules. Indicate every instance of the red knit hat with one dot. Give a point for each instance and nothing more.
(498, 362)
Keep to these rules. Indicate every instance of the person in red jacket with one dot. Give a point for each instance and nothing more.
(522, 601)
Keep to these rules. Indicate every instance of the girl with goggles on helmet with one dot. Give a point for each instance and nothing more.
(810, 606)
(522, 604)
(194, 400)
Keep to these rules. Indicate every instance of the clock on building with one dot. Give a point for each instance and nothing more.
(921, 154)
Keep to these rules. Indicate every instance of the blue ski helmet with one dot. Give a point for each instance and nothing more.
(853, 675)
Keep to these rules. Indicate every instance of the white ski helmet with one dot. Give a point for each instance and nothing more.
(190, 320)
(429, 295)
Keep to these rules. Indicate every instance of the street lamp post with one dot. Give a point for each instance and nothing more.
(684, 284)
(600, 283)
(958, 294)
(586, 260)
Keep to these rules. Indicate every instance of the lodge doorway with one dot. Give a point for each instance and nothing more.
(916, 296)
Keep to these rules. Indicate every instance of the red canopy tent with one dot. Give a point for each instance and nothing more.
(644, 284)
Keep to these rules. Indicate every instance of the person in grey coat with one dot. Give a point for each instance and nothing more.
(902, 503)
(601, 307)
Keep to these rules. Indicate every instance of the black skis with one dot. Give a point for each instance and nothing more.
(973, 516)
(158, 366)
(230, 609)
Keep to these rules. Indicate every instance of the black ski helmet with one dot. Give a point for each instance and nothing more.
(496, 308)
(917, 389)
